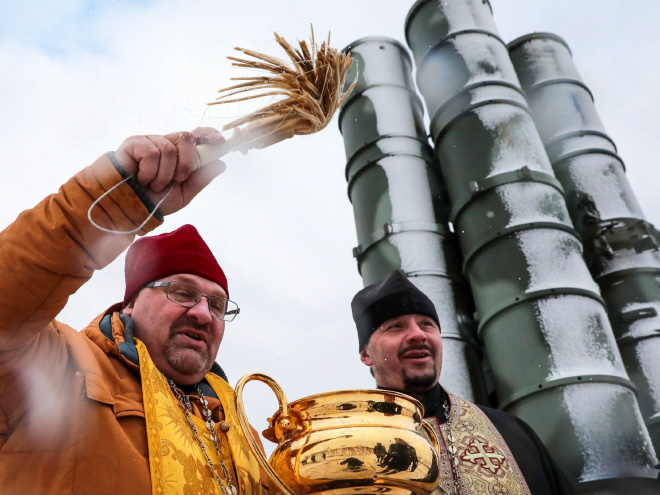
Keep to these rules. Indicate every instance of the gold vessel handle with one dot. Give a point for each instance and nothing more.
(245, 425)
(433, 436)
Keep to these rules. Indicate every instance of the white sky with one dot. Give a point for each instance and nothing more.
(80, 76)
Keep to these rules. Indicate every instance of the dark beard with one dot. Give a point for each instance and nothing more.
(419, 383)
(423, 381)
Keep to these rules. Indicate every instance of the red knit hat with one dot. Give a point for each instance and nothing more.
(181, 251)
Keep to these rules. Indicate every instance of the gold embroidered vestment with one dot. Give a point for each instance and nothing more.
(484, 460)
(176, 462)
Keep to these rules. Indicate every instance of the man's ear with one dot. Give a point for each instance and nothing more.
(128, 309)
(365, 358)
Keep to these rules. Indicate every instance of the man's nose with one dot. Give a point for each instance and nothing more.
(414, 332)
(201, 311)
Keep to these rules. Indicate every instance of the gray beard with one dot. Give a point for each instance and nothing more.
(178, 359)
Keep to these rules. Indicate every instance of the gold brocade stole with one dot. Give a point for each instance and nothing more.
(176, 462)
(485, 462)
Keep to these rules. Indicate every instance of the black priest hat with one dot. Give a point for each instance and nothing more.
(392, 297)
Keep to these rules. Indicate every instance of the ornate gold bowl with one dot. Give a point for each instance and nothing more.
(351, 442)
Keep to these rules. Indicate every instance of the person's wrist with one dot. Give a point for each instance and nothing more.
(137, 188)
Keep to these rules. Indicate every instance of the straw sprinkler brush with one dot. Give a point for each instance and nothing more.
(311, 87)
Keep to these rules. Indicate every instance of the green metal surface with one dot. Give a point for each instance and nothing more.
(636, 486)
(585, 161)
(543, 324)
(400, 207)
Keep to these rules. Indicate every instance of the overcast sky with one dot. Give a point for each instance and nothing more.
(78, 77)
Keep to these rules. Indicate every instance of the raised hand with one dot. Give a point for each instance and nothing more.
(161, 162)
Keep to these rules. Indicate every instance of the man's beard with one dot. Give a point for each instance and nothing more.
(180, 358)
(420, 382)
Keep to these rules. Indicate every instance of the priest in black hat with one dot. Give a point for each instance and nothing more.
(484, 450)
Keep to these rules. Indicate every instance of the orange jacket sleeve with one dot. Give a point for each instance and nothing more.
(51, 250)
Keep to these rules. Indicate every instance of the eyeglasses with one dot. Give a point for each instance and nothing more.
(188, 296)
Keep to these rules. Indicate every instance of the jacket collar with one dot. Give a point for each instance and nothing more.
(127, 349)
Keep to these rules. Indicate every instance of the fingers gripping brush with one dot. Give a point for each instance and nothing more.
(310, 86)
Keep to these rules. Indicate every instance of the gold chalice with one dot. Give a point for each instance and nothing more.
(350, 442)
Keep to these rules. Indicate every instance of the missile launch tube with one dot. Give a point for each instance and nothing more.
(543, 323)
(399, 204)
(621, 248)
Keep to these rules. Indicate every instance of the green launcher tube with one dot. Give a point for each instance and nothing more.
(621, 248)
(541, 319)
(399, 204)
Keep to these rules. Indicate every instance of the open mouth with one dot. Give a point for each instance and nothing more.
(191, 339)
(416, 355)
